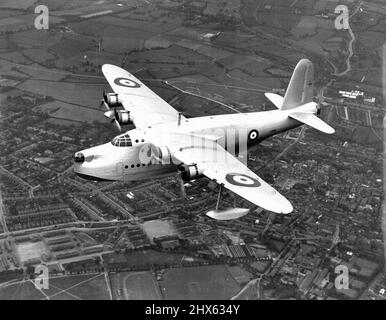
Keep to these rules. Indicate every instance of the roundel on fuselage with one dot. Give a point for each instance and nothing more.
(253, 135)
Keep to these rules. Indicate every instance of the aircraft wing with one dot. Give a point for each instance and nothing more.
(146, 108)
(222, 167)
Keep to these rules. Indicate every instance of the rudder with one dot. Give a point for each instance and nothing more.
(301, 86)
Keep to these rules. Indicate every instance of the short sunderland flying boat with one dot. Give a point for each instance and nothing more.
(164, 142)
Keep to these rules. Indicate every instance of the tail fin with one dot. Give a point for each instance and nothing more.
(298, 98)
(300, 89)
(301, 86)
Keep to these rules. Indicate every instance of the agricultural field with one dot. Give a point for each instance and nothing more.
(213, 52)
(71, 47)
(235, 61)
(37, 72)
(134, 286)
(82, 287)
(8, 71)
(88, 27)
(66, 111)
(17, 4)
(76, 93)
(38, 55)
(124, 33)
(15, 56)
(77, 287)
(193, 106)
(173, 54)
(83, 8)
(116, 45)
(23, 290)
(138, 259)
(100, 58)
(201, 283)
(240, 275)
(135, 25)
(231, 92)
(5, 44)
(35, 39)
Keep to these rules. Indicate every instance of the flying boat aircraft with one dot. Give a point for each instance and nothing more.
(164, 142)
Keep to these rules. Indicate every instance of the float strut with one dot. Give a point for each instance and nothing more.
(219, 196)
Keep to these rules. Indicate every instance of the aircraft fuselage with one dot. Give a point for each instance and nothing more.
(237, 132)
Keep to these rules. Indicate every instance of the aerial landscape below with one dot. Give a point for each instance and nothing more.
(160, 239)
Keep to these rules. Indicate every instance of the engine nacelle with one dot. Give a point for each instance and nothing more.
(123, 117)
(189, 173)
(161, 155)
(112, 100)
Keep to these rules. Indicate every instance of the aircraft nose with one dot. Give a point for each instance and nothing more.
(79, 157)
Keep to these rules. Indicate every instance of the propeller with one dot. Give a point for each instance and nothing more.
(117, 125)
(320, 99)
(112, 115)
(182, 185)
(104, 101)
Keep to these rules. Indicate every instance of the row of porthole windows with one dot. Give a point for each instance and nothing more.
(138, 165)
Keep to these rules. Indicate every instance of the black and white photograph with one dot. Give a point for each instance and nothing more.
(176, 151)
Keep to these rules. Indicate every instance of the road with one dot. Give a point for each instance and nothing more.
(118, 206)
(20, 180)
(2, 217)
(78, 226)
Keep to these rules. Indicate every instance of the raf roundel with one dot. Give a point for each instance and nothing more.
(253, 135)
(242, 180)
(125, 82)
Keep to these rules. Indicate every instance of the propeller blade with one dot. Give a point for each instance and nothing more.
(182, 185)
(104, 101)
(117, 125)
(104, 104)
(110, 114)
(320, 101)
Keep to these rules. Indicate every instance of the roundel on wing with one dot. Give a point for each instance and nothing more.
(253, 135)
(242, 180)
(125, 82)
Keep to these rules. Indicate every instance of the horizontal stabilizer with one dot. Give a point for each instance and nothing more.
(275, 99)
(313, 121)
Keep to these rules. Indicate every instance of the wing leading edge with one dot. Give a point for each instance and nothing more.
(146, 108)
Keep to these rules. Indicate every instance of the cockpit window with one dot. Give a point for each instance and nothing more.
(122, 141)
